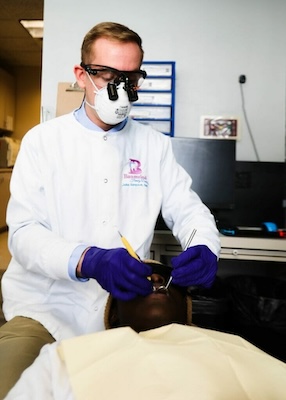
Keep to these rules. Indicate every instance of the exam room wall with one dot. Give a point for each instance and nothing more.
(212, 43)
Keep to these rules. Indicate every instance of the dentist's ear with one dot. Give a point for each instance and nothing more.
(80, 76)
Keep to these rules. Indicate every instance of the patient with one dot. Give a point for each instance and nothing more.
(153, 354)
(161, 307)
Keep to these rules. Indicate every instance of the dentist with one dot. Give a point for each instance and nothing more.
(74, 185)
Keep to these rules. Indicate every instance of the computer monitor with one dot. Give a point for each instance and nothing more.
(211, 164)
(259, 193)
(260, 189)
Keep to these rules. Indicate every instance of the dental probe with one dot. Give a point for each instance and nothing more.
(168, 283)
(190, 239)
(187, 245)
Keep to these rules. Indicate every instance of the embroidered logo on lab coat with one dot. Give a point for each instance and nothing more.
(135, 166)
(134, 177)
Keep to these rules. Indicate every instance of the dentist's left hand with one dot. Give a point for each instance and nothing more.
(196, 266)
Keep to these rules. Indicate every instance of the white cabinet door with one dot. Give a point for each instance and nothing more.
(7, 101)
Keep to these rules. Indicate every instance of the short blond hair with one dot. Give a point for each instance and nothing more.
(112, 31)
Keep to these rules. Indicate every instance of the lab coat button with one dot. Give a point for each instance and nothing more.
(105, 180)
(104, 137)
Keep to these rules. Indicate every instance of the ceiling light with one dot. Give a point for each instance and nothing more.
(34, 27)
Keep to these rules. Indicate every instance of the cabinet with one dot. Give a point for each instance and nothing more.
(5, 176)
(156, 97)
(7, 101)
(232, 248)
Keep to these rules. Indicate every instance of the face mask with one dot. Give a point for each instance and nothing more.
(111, 112)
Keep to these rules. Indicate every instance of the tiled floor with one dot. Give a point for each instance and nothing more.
(4, 252)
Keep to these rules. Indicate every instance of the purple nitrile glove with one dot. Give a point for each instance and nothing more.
(117, 272)
(196, 266)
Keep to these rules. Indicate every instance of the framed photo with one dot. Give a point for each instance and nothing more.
(220, 127)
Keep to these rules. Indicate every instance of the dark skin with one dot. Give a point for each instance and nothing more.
(162, 307)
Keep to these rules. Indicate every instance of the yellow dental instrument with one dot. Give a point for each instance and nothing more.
(128, 247)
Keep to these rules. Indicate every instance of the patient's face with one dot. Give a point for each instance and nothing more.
(157, 309)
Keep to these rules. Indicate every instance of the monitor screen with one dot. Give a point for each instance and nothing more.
(260, 188)
(259, 193)
(211, 164)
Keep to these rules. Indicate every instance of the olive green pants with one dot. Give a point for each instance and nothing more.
(21, 340)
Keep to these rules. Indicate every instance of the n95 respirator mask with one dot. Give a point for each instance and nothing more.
(111, 112)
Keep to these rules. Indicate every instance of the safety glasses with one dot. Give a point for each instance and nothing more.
(104, 75)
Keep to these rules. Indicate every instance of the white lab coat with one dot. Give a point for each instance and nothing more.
(173, 362)
(73, 186)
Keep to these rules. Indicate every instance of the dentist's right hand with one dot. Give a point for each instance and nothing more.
(117, 272)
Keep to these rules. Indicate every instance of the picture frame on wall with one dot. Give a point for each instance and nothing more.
(220, 127)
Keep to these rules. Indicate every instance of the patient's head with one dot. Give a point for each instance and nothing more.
(160, 308)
